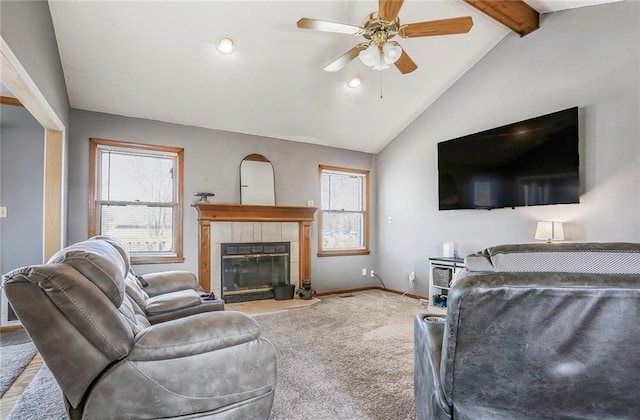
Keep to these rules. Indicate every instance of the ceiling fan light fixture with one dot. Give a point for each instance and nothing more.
(391, 52)
(380, 58)
(226, 44)
(380, 64)
(378, 28)
(369, 56)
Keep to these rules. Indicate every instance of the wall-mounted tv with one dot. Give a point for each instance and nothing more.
(528, 163)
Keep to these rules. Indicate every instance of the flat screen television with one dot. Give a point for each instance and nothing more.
(528, 163)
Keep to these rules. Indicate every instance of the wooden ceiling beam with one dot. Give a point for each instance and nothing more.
(514, 14)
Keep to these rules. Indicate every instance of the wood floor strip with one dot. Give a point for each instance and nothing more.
(16, 389)
(269, 305)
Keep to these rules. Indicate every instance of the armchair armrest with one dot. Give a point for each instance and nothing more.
(173, 301)
(171, 281)
(193, 335)
(214, 364)
(430, 399)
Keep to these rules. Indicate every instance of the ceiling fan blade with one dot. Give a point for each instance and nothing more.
(338, 64)
(326, 26)
(388, 9)
(460, 25)
(405, 64)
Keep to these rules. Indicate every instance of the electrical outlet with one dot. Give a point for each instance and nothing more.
(373, 273)
(3, 212)
(412, 279)
(364, 271)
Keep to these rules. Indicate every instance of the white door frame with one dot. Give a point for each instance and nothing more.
(18, 81)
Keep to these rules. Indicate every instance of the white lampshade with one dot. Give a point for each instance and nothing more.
(370, 55)
(391, 53)
(380, 60)
(550, 231)
(380, 63)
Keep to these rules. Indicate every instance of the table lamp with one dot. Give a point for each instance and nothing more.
(550, 231)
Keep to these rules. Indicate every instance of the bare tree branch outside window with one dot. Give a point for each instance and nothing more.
(343, 222)
(136, 197)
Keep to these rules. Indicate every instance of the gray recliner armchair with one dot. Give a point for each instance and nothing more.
(164, 295)
(111, 363)
(537, 331)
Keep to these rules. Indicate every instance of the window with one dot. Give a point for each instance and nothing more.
(136, 196)
(343, 222)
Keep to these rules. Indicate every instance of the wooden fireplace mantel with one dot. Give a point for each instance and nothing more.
(213, 212)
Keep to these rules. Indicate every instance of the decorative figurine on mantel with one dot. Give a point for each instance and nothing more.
(203, 196)
(306, 292)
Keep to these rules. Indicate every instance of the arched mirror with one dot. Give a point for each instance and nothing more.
(257, 182)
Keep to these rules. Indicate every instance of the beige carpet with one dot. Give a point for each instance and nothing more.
(347, 357)
(13, 360)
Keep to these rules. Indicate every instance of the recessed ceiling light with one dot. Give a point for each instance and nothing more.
(226, 44)
(354, 82)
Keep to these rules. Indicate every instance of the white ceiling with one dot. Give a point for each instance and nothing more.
(156, 60)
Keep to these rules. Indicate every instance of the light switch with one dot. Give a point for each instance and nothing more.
(3, 212)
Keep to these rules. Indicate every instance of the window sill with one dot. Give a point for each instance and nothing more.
(343, 252)
(156, 260)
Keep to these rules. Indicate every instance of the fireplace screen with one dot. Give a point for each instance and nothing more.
(250, 270)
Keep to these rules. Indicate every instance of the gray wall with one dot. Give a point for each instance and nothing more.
(212, 163)
(585, 57)
(27, 28)
(21, 188)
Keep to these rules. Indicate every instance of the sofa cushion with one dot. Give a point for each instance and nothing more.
(170, 281)
(136, 318)
(99, 262)
(194, 334)
(119, 246)
(204, 306)
(513, 342)
(172, 301)
(135, 292)
(603, 258)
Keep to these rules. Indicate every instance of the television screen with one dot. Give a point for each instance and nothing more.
(528, 163)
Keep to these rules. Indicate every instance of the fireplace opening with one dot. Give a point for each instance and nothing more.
(251, 270)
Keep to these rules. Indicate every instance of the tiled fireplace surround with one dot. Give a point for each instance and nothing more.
(236, 232)
(235, 223)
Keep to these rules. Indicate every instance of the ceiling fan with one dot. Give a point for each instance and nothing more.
(378, 52)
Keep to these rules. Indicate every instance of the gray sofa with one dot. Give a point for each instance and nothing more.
(539, 331)
(163, 296)
(112, 363)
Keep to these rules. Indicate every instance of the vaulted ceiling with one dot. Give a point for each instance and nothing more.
(157, 60)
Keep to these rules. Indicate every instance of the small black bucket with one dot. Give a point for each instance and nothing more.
(283, 291)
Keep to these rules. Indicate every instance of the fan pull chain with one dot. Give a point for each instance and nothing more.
(380, 71)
